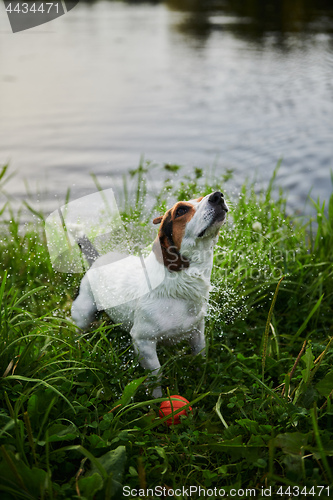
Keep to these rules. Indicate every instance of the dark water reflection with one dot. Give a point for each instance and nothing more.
(256, 18)
(239, 84)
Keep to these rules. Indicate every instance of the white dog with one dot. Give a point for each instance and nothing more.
(172, 304)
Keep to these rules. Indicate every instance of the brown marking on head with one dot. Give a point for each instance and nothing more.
(199, 199)
(169, 256)
(171, 233)
(180, 217)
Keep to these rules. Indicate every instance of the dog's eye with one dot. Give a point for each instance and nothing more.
(181, 211)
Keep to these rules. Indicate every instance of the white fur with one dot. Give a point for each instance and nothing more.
(172, 310)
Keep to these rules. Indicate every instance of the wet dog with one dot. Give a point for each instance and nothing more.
(165, 295)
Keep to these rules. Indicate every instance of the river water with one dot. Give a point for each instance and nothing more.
(202, 84)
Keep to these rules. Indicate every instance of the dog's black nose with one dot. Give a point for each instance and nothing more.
(217, 198)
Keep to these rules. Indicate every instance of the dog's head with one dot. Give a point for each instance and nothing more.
(186, 224)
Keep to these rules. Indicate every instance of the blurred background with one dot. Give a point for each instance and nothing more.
(215, 84)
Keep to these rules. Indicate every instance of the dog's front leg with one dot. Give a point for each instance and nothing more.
(146, 350)
(197, 339)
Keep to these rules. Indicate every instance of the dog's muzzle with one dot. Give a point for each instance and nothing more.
(217, 203)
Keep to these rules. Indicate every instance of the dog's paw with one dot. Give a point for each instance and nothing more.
(157, 393)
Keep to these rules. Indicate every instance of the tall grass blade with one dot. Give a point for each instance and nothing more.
(303, 326)
(41, 382)
(313, 413)
(266, 334)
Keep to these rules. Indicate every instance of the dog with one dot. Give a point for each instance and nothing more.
(173, 304)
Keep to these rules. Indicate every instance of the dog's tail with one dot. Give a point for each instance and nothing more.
(76, 234)
(87, 248)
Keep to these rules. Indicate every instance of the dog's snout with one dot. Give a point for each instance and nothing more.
(217, 198)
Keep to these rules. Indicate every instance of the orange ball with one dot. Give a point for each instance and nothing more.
(167, 407)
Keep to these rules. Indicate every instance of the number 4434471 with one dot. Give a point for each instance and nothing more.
(295, 491)
(25, 8)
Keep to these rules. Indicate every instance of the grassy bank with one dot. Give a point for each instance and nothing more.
(75, 417)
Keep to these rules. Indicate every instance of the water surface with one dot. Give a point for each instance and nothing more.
(223, 84)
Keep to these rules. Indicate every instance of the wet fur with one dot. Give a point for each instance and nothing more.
(173, 310)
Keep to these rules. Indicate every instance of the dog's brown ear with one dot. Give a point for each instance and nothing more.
(168, 255)
(158, 220)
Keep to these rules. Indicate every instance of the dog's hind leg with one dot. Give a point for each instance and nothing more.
(197, 339)
(84, 307)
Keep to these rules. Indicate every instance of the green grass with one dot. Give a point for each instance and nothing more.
(76, 420)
